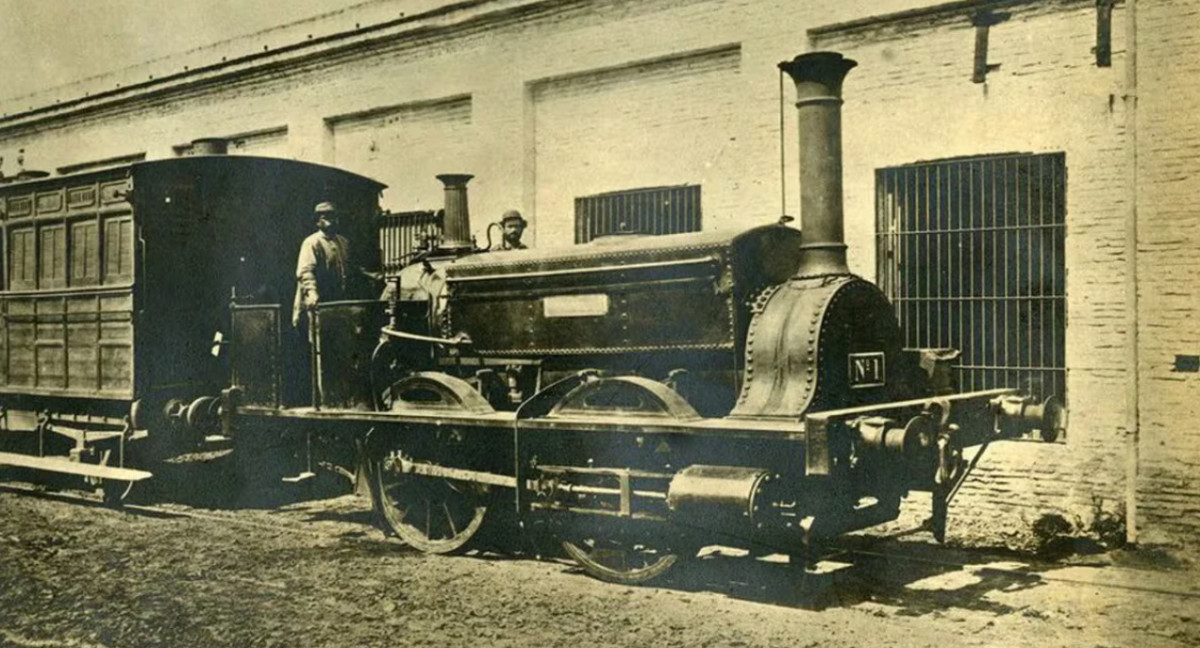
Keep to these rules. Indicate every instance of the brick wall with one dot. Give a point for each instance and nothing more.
(536, 99)
(1168, 267)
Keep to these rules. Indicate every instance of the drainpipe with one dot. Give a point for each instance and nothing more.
(1132, 355)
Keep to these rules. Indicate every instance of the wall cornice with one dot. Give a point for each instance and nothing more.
(958, 13)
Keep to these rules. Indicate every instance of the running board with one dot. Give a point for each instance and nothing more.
(302, 477)
(64, 465)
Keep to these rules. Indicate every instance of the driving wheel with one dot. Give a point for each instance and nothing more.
(432, 515)
(626, 562)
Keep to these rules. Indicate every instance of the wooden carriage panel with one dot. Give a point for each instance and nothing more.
(80, 343)
(19, 322)
(49, 202)
(115, 344)
(81, 197)
(19, 206)
(83, 334)
(49, 345)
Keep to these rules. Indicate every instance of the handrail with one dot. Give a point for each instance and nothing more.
(650, 265)
(458, 339)
(67, 292)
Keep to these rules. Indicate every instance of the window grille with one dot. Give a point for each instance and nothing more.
(404, 233)
(650, 210)
(970, 251)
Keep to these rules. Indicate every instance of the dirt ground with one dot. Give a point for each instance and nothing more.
(316, 574)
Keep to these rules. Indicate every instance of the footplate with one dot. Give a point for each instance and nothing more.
(66, 466)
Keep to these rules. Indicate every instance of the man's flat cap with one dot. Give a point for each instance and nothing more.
(324, 208)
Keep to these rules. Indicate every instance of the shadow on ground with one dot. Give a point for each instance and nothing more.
(912, 579)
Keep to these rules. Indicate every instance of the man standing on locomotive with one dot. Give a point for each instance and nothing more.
(321, 267)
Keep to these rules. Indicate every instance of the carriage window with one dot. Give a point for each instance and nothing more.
(118, 249)
(85, 253)
(52, 272)
(650, 210)
(22, 259)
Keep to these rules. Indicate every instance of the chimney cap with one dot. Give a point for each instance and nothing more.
(823, 67)
(454, 179)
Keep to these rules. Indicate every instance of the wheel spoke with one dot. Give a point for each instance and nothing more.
(450, 519)
(428, 520)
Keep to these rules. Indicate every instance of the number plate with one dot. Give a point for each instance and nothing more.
(866, 370)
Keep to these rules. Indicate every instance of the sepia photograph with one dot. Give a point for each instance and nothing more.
(612, 323)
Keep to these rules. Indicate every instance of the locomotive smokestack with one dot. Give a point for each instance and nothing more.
(457, 218)
(818, 77)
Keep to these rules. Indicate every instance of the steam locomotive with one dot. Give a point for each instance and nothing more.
(637, 397)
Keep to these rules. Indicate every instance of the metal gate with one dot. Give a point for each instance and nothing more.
(970, 251)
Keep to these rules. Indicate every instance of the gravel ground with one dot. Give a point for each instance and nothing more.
(316, 574)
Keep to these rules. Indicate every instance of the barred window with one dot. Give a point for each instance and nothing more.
(649, 210)
(971, 252)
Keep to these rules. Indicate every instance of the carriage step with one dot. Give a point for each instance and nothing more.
(302, 477)
(64, 465)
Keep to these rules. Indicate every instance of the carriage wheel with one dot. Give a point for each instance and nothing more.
(432, 515)
(614, 561)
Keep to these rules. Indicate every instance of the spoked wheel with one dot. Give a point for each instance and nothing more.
(616, 561)
(432, 515)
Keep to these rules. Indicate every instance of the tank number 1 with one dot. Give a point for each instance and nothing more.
(866, 370)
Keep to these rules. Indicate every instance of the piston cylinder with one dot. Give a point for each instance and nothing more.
(710, 494)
